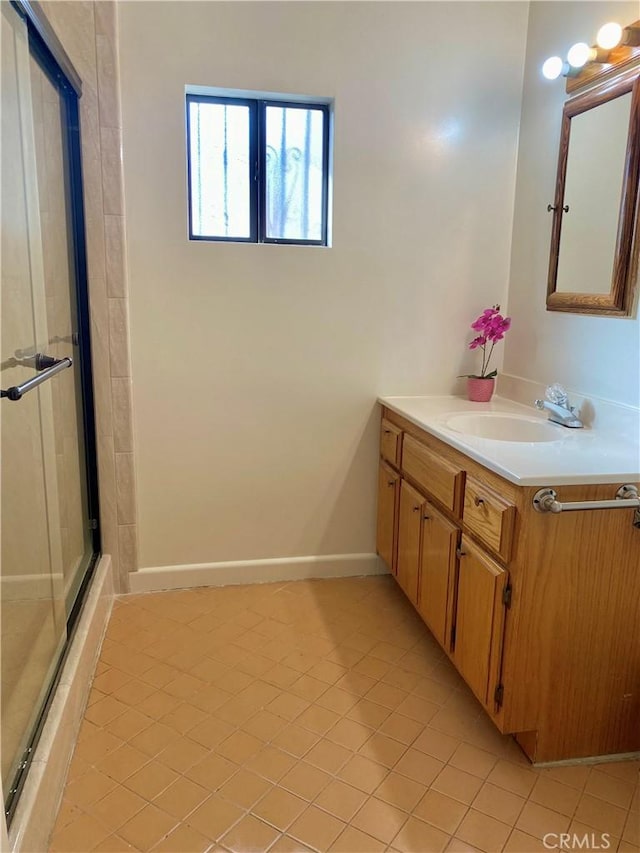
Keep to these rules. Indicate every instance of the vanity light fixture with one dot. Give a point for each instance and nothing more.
(581, 53)
(613, 35)
(554, 67)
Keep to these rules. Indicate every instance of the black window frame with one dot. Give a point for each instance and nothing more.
(257, 149)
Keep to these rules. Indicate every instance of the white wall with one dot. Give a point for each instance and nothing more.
(594, 356)
(256, 368)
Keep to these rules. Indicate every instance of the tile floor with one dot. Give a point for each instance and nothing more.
(317, 715)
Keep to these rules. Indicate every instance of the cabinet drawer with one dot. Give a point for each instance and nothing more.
(390, 437)
(439, 477)
(490, 517)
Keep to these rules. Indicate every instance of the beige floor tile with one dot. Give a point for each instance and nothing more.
(363, 773)
(610, 788)
(279, 808)
(184, 839)
(380, 819)
(556, 796)
(349, 733)
(151, 780)
(354, 841)
(368, 713)
(436, 744)
(511, 777)
(119, 806)
(457, 784)
(88, 788)
(498, 803)
(181, 798)
(484, 832)
(305, 781)
(400, 791)
(316, 828)
(286, 844)
(147, 827)
(601, 815)
(214, 817)
(383, 750)
(271, 763)
(473, 760)
(328, 756)
(340, 799)
(416, 836)
(212, 771)
(521, 842)
(440, 811)
(282, 717)
(122, 762)
(114, 844)
(538, 820)
(401, 728)
(295, 740)
(418, 766)
(249, 834)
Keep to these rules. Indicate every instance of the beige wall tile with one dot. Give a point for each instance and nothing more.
(108, 94)
(128, 550)
(111, 170)
(125, 488)
(114, 249)
(122, 427)
(119, 338)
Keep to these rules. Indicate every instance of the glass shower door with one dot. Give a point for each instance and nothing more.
(33, 613)
(48, 541)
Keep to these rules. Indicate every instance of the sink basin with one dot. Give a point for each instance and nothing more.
(504, 427)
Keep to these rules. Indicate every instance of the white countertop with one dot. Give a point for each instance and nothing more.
(578, 456)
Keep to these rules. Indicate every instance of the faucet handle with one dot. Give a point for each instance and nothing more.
(557, 394)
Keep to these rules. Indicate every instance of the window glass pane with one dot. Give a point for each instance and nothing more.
(294, 177)
(220, 170)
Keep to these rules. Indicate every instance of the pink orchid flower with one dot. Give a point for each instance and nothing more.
(492, 327)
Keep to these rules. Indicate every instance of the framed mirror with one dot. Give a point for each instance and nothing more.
(593, 266)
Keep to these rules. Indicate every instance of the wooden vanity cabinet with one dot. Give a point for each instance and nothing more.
(539, 613)
(479, 622)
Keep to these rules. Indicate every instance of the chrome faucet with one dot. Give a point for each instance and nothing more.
(557, 404)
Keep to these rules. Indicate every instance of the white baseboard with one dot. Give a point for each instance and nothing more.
(255, 571)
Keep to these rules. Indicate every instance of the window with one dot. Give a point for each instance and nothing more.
(258, 170)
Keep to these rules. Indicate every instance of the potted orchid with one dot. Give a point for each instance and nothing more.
(491, 327)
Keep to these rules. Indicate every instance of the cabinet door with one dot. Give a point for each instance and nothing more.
(388, 494)
(479, 620)
(437, 573)
(412, 505)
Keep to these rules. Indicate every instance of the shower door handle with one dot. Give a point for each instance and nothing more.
(16, 392)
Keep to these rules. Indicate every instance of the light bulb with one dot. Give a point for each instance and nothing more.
(552, 68)
(580, 54)
(609, 35)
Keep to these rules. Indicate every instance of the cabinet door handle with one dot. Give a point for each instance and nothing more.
(478, 501)
(416, 509)
(427, 517)
(387, 432)
(391, 482)
(460, 552)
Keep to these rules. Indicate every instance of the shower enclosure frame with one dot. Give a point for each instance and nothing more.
(47, 50)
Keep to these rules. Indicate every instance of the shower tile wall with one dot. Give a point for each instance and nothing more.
(87, 31)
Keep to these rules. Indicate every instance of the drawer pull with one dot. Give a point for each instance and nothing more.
(478, 501)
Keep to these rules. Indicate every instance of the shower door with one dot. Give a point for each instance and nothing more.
(49, 537)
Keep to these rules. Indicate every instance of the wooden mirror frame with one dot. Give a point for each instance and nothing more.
(620, 299)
